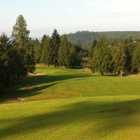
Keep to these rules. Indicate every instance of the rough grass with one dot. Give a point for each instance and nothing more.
(72, 104)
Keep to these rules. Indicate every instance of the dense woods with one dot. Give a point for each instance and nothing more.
(16, 55)
(109, 52)
(116, 56)
(57, 51)
(19, 53)
(85, 38)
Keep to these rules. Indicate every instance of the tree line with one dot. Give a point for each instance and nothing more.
(16, 54)
(20, 53)
(57, 51)
(85, 38)
(115, 56)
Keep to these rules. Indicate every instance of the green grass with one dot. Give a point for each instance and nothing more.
(111, 118)
(108, 108)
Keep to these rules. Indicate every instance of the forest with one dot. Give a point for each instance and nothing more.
(85, 38)
(119, 52)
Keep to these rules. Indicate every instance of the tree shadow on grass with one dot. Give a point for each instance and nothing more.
(32, 85)
(31, 90)
(109, 117)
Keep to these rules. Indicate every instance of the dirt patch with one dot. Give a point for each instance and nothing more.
(34, 74)
(86, 69)
(29, 87)
(13, 100)
(16, 96)
(134, 75)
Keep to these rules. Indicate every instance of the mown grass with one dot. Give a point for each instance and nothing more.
(57, 83)
(72, 104)
(88, 118)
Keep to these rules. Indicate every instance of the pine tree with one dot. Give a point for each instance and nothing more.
(7, 62)
(37, 50)
(73, 56)
(22, 42)
(91, 50)
(20, 34)
(129, 49)
(43, 40)
(119, 58)
(64, 51)
(101, 61)
(54, 46)
(75, 60)
(46, 54)
(136, 59)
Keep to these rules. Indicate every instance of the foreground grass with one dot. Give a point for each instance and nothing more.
(83, 106)
(88, 118)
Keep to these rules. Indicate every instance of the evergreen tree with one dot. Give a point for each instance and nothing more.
(46, 54)
(7, 62)
(75, 56)
(136, 59)
(43, 40)
(38, 53)
(22, 42)
(64, 51)
(20, 34)
(119, 58)
(54, 46)
(91, 50)
(37, 50)
(129, 49)
(101, 61)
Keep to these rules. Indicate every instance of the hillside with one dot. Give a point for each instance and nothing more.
(85, 37)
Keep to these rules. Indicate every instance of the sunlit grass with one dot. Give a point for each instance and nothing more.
(57, 83)
(74, 118)
(72, 104)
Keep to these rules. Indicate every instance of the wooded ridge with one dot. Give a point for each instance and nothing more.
(86, 37)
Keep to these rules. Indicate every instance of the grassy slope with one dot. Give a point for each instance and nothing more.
(65, 83)
(108, 108)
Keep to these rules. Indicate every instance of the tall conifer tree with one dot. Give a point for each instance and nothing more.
(64, 51)
(101, 61)
(7, 62)
(37, 51)
(54, 46)
(136, 59)
(22, 42)
(119, 58)
(46, 53)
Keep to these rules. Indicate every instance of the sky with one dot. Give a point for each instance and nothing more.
(70, 16)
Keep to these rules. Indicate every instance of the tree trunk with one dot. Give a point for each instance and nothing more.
(101, 73)
(121, 73)
(118, 72)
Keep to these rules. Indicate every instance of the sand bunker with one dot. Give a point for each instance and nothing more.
(34, 74)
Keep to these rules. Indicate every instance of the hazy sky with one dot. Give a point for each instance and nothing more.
(69, 16)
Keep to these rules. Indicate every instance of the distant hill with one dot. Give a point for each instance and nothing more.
(86, 38)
